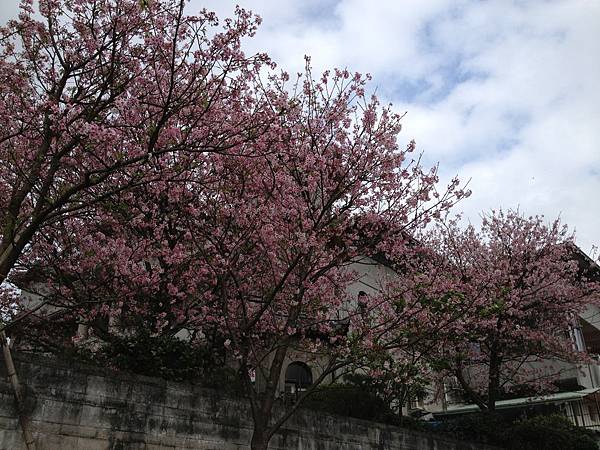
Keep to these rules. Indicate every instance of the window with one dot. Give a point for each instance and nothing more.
(362, 302)
(577, 338)
(298, 377)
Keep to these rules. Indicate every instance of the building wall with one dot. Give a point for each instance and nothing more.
(371, 278)
(93, 409)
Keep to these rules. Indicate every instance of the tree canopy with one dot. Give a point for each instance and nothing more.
(154, 176)
(525, 284)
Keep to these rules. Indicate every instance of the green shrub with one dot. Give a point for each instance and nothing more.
(549, 432)
(163, 356)
(166, 357)
(350, 401)
(411, 423)
(483, 427)
(553, 432)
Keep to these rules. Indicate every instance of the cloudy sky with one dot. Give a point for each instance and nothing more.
(504, 93)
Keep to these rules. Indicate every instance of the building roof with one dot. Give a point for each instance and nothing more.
(524, 401)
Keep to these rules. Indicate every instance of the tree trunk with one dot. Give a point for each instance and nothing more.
(469, 391)
(262, 412)
(493, 381)
(17, 391)
(260, 439)
(8, 259)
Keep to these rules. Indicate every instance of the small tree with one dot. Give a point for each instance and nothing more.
(524, 287)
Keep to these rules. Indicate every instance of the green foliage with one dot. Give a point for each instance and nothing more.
(486, 428)
(351, 401)
(549, 432)
(141, 353)
(167, 357)
(411, 423)
(399, 305)
(492, 310)
(371, 398)
(553, 432)
(441, 364)
(396, 382)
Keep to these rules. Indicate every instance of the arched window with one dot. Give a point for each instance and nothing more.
(298, 376)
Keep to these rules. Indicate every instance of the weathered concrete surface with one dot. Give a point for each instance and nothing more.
(86, 408)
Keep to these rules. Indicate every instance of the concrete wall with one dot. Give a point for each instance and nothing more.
(80, 407)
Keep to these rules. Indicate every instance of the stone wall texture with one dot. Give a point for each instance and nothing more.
(87, 408)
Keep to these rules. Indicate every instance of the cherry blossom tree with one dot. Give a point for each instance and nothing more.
(259, 249)
(93, 93)
(97, 91)
(524, 285)
(337, 188)
(156, 175)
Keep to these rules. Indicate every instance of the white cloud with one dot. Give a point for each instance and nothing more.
(503, 92)
(534, 117)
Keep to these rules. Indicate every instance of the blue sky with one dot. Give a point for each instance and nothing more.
(505, 93)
